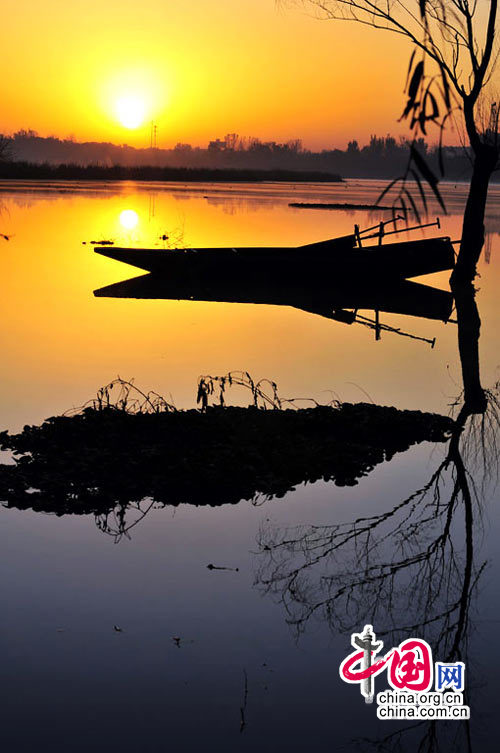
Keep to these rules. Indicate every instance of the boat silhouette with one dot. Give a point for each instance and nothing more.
(323, 299)
(337, 259)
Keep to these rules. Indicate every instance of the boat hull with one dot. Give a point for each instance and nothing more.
(333, 260)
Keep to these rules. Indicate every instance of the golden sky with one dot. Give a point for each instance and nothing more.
(199, 68)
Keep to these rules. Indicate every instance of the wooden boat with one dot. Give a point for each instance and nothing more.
(399, 297)
(335, 259)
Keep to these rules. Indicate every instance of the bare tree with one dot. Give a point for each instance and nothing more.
(450, 70)
(451, 65)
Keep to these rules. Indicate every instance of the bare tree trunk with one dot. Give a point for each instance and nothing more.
(473, 223)
(469, 322)
(469, 327)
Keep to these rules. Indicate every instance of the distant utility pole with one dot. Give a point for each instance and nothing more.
(153, 140)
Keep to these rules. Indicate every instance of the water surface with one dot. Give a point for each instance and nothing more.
(65, 583)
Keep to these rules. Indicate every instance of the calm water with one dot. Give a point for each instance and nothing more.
(72, 683)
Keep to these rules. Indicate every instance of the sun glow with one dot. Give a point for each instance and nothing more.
(130, 111)
(129, 219)
(130, 98)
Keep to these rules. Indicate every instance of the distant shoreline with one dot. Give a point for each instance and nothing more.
(46, 171)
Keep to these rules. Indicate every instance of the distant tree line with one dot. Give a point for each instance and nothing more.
(383, 157)
(20, 170)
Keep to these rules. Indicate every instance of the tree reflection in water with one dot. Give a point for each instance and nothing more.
(363, 570)
(413, 569)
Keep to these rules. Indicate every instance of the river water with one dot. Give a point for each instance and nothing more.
(237, 677)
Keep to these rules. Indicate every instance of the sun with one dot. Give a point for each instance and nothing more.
(130, 111)
(129, 219)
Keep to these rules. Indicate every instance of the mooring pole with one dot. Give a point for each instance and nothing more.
(377, 324)
(381, 233)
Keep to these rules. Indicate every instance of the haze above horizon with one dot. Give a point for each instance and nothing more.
(103, 72)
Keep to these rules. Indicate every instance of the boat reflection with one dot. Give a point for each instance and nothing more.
(340, 303)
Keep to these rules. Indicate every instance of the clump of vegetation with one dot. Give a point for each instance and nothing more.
(127, 445)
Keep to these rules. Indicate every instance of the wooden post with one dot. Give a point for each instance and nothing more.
(357, 234)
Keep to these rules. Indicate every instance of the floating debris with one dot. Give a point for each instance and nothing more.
(217, 567)
(305, 205)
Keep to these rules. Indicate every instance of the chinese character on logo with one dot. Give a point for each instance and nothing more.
(410, 665)
(450, 676)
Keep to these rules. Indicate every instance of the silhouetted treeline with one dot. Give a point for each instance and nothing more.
(46, 171)
(383, 157)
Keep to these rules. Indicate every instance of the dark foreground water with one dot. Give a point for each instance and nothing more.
(246, 659)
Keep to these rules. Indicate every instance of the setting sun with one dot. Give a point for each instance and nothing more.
(129, 219)
(130, 111)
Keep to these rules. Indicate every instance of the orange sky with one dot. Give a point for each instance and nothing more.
(201, 68)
